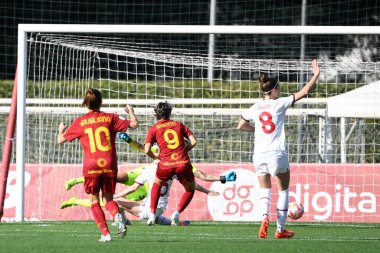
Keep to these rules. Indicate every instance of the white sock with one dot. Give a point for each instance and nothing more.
(282, 209)
(162, 220)
(152, 215)
(175, 214)
(264, 202)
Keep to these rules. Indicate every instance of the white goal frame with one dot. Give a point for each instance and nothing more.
(23, 29)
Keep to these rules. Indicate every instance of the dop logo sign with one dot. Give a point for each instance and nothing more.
(238, 201)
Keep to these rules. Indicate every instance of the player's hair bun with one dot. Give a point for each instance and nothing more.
(263, 78)
(92, 99)
(267, 84)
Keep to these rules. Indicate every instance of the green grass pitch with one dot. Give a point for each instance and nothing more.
(73, 237)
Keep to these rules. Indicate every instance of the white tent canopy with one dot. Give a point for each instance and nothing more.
(363, 102)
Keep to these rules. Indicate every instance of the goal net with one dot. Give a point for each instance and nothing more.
(144, 68)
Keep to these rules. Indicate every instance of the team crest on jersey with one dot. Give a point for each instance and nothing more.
(174, 156)
(101, 162)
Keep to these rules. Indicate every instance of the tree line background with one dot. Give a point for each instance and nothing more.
(174, 12)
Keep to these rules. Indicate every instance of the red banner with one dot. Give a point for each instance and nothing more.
(329, 192)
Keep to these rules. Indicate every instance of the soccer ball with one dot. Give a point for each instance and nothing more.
(295, 210)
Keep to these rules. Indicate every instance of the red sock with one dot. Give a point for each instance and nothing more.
(112, 207)
(154, 196)
(99, 218)
(185, 200)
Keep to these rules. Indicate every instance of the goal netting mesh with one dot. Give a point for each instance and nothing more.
(142, 69)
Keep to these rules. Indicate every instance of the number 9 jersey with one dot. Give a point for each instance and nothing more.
(169, 135)
(269, 116)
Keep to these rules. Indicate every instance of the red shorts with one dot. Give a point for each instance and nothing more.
(184, 173)
(94, 185)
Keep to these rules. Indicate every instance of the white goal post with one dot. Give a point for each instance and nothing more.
(317, 105)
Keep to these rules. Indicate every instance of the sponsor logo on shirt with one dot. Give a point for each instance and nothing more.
(91, 172)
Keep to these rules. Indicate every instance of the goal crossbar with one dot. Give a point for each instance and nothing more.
(185, 101)
(199, 29)
(176, 111)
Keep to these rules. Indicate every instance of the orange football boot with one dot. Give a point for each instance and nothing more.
(263, 233)
(284, 234)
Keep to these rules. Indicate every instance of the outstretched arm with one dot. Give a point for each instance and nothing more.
(204, 190)
(230, 176)
(127, 190)
(206, 177)
(134, 144)
(305, 90)
(134, 122)
(61, 131)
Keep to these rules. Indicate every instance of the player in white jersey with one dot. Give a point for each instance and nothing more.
(142, 209)
(270, 155)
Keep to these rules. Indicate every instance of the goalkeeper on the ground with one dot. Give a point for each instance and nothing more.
(128, 178)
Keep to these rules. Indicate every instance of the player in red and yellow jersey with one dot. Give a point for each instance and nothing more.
(96, 132)
(174, 160)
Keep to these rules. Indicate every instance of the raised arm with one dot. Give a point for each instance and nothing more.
(134, 122)
(305, 90)
(61, 131)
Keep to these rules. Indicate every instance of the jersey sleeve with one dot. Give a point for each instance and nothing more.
(73, 132)
(141, 179)
(121, 124)
(247, 115)
(150, 136)
(187, 131)
(288, 101)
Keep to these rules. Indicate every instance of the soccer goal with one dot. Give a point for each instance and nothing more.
(142, 65)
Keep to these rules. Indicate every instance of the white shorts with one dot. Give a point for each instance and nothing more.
(271, 163)
(144, 211)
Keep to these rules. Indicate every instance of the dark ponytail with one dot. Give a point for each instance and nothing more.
(92, 99)
(267, 84)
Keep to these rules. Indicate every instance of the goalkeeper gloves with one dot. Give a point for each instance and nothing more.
(124, 136)
(230, 176)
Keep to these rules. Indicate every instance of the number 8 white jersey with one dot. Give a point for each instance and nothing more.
(269, 117)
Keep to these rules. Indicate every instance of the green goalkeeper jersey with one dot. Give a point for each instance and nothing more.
(142, 191)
